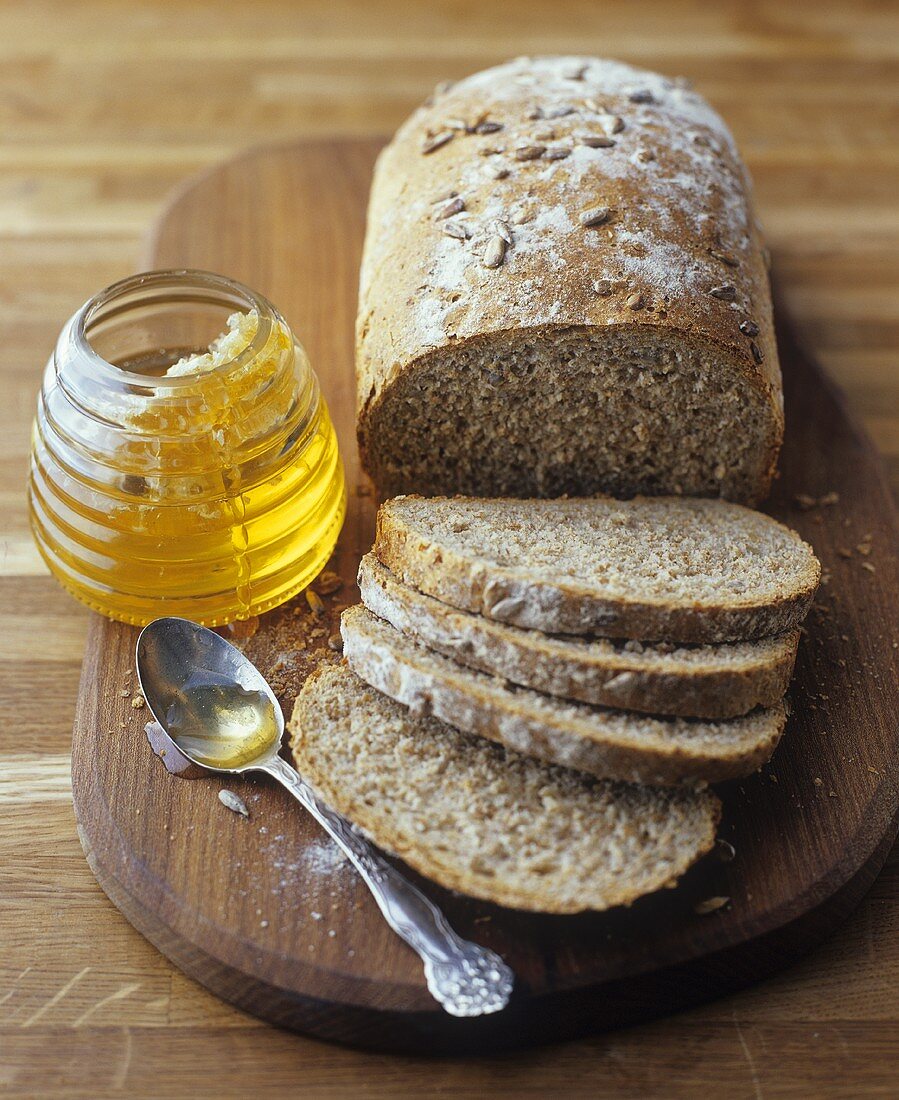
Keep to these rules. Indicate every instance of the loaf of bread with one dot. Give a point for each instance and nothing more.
(563, 290)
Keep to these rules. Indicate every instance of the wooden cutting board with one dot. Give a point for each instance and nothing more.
(264, 911)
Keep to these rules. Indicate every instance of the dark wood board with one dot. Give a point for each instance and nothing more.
(248, 907)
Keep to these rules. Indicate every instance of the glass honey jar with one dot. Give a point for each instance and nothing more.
(183, 459)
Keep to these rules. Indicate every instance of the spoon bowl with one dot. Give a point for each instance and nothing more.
(210, 700)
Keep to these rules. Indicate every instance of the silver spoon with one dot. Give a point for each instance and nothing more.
(220, 712)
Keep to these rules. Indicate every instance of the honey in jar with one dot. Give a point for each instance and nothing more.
(183, 459)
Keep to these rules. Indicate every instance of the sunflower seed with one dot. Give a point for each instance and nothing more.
(457, 229)
(634, 301)
(233, 803)
(488, 127)
(315, 603)
(749, 328)
(603, 287)
(430, 144)
(726, 292)
(597, 141)
(596, 215)
(444, 196)
(498, 171)
(454, 206)
(557, 152)
(455, 124)
(756, 352)
(558, 112)
(529, 152)
(641, 95)
(709, 905)
(612, 124)
(522, 216)
(644, 156)
(545, 135)
(724, 257)
(335, 643)
(495, 252)
(501, 229)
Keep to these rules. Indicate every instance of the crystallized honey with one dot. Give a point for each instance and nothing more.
(184, 462)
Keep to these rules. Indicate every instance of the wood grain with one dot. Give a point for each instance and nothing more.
(103, 109)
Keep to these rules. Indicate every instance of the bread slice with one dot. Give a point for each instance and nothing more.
(614, 744)
(705, 681)
(672, 569)
(488, 822)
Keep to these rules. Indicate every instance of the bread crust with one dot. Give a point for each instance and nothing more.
(566, 607)
(314, 712)
(718, 686)
(573, 735)
(679, 256)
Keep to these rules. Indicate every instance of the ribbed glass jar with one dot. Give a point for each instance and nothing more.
(213, 493)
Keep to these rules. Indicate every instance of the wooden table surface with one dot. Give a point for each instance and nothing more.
(104, 107)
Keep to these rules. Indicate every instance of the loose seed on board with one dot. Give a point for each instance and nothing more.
(315, 603)
(233, 803)
(557, 152)
(749, 328)
(709, 905)
(454, 206)
(529, 152)
(756, 352)
(596, 215)
(495, 252)
(726, 292)
(457, 229)
(597, 141)
(634, 301)
(502, 229)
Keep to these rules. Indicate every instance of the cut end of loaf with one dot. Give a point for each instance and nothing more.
(575, 411)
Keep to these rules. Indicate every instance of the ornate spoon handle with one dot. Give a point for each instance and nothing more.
(467, 980)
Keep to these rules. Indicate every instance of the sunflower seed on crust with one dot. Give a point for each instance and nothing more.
(495, 252)
(529, 152)
(431, 144)
(596, 215)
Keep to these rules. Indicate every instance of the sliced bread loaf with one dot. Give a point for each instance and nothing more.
(673, 569)
(490, 823)
(705, 681)
(611, 743)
